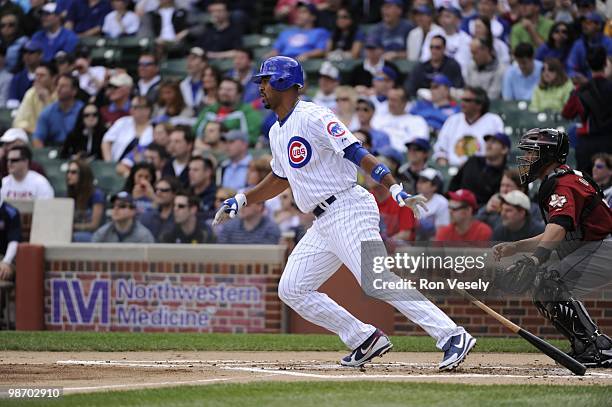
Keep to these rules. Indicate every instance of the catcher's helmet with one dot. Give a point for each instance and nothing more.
(284, 72)
(549, 145)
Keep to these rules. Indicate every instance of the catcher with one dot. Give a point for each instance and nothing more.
(578, 227)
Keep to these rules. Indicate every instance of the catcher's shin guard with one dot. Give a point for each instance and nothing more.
(570, 317)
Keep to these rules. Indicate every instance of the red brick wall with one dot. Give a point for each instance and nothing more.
(261, 314)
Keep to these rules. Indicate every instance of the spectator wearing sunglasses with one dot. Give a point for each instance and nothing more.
(186, 228)
(23, 183)
(559, 43)
(118, 92)
(85, 139)
(123, 227)
(88, 200)
(463, 226)
(12, 39)
(161, 219)
(148, 77)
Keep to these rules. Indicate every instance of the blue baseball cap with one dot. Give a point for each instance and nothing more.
(398, 3)
(33, 46)
(420, 143)
(501, 137)
(423, 9)
(594, 16)
(390, 72)
(311, 7)
(441, 79)
(450, 9)
(373, 42)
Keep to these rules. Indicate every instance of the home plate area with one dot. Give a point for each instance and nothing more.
(103, 371)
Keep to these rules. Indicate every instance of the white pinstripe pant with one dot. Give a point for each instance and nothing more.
(335, 238)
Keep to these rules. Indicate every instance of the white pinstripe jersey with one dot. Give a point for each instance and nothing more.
(307, 150)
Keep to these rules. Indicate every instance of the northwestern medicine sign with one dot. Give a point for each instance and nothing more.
(128, 303)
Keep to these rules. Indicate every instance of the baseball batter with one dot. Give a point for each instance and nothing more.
(317, 156)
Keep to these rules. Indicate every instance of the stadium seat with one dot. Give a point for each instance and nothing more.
(223, 64)
(404, 65)
(174, 68)
(106, 176)
(273, 30)
(252, 41)
(6, 118)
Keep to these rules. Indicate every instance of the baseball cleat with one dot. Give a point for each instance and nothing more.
(376, 345)
(594, 358)
(456, 349)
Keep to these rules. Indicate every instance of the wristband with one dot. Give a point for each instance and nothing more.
(542, 254)
(379, 172)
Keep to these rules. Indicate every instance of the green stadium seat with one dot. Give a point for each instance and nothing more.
(94, 42)
(260, 52)
(106, 177)
(223, 64)
(273, 30)
(174, 67)
(252, 41)
(6, 118)
(105, 56)
(404, 65)
(346, 65)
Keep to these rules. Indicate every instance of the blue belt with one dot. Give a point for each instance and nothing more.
(320, 208)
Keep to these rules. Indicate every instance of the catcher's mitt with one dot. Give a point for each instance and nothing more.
(518, 277)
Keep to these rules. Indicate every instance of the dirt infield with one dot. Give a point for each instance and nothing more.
(79, 372)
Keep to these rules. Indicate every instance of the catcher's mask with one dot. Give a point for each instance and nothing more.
(542, 147)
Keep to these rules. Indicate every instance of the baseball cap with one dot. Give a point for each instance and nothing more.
(327, 69)
(61, 57)
(501, 137)
(420, 143)
(123, 196)
(423, 9)
(398, 3)
(235, 135)
(49, 8)
(33, 46)
(197, 51)
(367, 102)
(373, 42)
(311, 7)
(585, 3)
(441, 79)
(390, 72)
(517, 198)
(430, 174)
(450, 9)
(594, 16)
(14, 134)
(465, 196)
(121, 79)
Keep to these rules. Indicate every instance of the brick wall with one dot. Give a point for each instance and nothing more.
(156, 296)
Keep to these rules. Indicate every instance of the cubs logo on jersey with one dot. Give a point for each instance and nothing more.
(335, 129)
(299, 151)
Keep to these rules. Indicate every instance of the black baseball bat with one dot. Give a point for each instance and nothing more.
(555, 354)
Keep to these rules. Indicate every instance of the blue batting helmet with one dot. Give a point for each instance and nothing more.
(284, 72)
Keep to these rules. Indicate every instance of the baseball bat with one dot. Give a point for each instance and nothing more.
(555, 354)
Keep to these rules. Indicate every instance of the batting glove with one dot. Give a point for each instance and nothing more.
(230, 208)
(402, 198)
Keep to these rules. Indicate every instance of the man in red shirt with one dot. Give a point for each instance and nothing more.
(579, 224)
(463, 226)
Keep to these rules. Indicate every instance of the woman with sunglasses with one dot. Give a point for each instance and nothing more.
(347, 39)
(88, 200)
(140, 184)
(554, 88)
(85, 139)
(12, 39)
(559, 43)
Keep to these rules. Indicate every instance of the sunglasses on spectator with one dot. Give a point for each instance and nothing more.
(456, 208)
(112, 87)
(90, 114)
(72, 172)
(342, 99)
(561, 31)
(469, 100)
(122, 206)
(363, 109)
(163, 189)
(11, 24)
(180, 206)
(15, 160)
(435, 47)
(599, 166)
(146, 63)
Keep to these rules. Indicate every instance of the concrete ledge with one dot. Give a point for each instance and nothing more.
(217, 253)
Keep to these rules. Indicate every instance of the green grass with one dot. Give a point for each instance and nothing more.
(342, 394)
(122, 342)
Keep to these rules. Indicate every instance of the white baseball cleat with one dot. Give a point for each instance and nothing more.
(456, 349)
(376, 345)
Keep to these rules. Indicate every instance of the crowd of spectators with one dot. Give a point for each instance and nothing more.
(186, 144)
